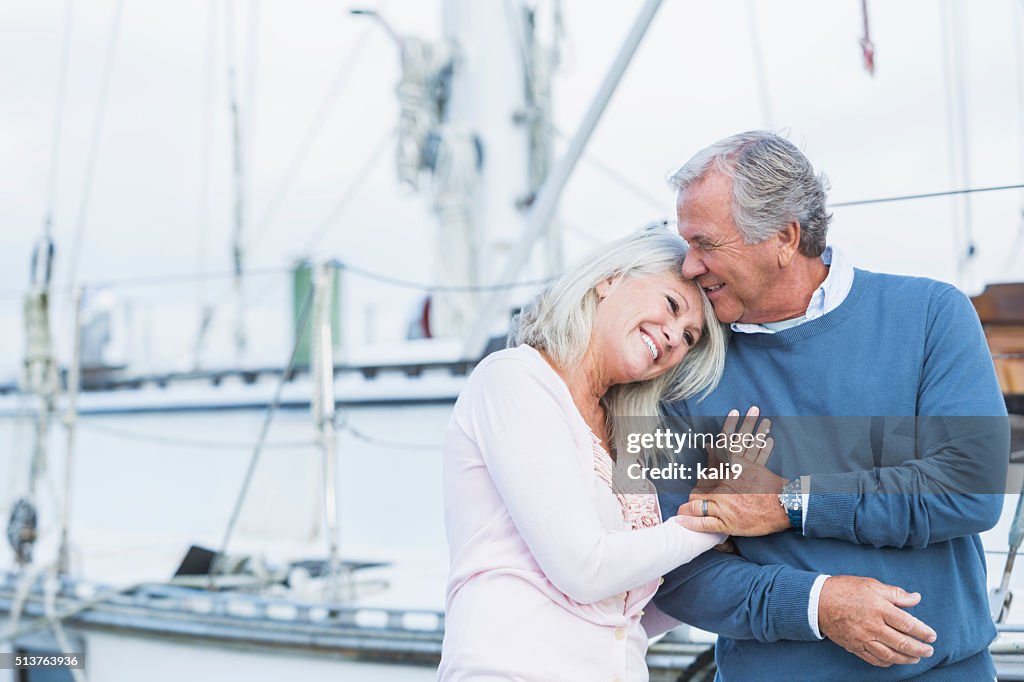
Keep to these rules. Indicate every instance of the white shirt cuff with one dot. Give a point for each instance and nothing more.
(805, 498)
(812, 604)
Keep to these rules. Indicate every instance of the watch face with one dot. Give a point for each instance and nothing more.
(791, 501)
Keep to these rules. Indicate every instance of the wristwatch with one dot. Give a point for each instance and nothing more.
(792, 501)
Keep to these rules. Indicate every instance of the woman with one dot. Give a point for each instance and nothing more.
(551, 567)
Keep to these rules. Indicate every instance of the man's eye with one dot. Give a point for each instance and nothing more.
(673, 306)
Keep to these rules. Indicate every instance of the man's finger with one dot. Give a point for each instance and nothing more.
(695, 507)
(888, 655)
(913, 629)
(870, 658)
(900, 597)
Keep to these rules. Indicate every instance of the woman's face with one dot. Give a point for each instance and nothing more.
(644, 325)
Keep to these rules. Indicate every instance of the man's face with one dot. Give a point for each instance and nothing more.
(736, 276)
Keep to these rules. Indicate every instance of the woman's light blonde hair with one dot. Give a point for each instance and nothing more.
(560, 322)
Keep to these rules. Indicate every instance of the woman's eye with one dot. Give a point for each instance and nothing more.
(673, 306)
(688, 336)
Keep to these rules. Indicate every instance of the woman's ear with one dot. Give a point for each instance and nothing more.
(604, 287)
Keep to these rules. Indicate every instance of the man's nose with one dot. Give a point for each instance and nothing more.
(693, 266)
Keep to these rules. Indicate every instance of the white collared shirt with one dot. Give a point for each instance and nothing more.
(825, 298)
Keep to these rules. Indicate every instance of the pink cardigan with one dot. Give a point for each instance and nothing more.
(547, 581)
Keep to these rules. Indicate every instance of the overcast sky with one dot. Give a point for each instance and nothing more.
(693, 80)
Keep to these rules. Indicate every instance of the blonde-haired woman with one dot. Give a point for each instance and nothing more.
(552, 561)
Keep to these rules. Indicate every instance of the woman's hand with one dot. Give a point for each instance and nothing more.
(760, 444)
(748, 504)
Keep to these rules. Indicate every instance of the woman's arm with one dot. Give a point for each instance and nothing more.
(518, 418)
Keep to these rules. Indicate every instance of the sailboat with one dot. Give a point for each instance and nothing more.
(247, 519)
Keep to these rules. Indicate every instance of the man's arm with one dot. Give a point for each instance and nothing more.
(728, 595)
(955, 486)
(952, 488)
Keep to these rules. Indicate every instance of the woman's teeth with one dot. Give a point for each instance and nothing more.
(650, 345)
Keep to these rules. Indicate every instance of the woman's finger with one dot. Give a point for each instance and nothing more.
(701, 524)
(766, 451)
(750, 420)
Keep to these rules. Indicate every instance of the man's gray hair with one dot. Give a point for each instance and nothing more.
(560, 322)
(773, 184)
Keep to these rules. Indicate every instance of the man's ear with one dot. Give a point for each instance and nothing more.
(788, 243)
(604, 287)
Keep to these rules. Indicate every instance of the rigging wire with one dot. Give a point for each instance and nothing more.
(341, 79)
(608, 171)
(343, 425)
(58, 122)
(160, 439)
(362, 174)
(268, 417)
(927, 195)
(97, 132)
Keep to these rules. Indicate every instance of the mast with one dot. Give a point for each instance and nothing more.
(237, 247)
(543, 209)
(474, 115)
(489, 106)
(322, 365)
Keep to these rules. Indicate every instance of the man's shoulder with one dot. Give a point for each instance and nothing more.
(910, 286)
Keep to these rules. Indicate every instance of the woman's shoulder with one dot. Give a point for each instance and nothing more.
(513, 369)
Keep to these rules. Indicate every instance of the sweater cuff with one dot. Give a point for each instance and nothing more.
(787, 612)
(831, 507)
(812, 604)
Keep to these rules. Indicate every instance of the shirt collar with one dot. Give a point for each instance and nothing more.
(826, 298)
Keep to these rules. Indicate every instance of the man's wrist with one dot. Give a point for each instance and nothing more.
(805, 492)
(792, 501)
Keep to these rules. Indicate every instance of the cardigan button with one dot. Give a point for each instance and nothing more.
(661, 581)
(620, 634)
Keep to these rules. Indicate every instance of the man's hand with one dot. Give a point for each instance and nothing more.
(746, 506)
(866, 618)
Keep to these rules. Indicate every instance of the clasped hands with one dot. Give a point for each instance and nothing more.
(864, 616)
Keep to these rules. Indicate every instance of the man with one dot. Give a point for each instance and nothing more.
(897, 515)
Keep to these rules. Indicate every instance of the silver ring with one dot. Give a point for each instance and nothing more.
(704, 507)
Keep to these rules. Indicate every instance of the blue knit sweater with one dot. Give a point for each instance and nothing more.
(897, 347)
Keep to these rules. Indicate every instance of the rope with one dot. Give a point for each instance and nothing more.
(50, 587)
(90, 173)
